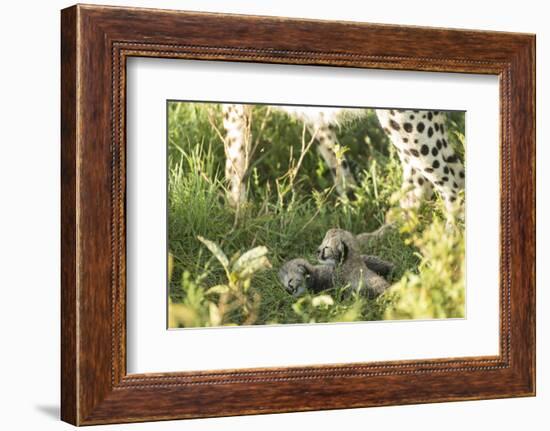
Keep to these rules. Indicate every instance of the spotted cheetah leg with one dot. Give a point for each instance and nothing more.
(421, 140)
(237, 150)
(456, 183)
(335, 160)
(416, 188)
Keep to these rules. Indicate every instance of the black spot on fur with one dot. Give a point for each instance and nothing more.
(420, 181)
(461, 174)
(430, 116)
(425, 150)
(411, 117)
(455, 185)
(429, 170)
(452, 159)
(446, 170)
(444, 179)
(436, 125)
(430, 132)
(435, 164)
(420, 127)
(442, 129)
(434, 151)
(439, 144)
(405, 140)
(408, 127)
(394, 125)
(452, 199)
(415, 153)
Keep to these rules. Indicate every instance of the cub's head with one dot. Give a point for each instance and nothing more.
(336, 246)
(294, 276)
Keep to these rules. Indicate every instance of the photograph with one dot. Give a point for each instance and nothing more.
(298, 214)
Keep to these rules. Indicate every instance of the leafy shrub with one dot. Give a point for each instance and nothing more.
(215, 305)
(437, 288)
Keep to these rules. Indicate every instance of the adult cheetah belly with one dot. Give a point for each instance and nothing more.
(325, 115)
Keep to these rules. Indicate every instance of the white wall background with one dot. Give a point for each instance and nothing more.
(29, 215)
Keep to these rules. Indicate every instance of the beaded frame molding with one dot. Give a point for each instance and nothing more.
(95, 43)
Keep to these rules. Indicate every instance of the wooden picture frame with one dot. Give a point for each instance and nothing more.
(95, 43)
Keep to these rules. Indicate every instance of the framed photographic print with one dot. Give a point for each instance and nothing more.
(322, 214)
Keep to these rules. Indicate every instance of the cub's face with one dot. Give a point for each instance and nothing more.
(333, 249)
(293, 275)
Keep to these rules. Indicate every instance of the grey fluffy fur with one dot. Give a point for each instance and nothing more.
(341, 248)
(298, 276)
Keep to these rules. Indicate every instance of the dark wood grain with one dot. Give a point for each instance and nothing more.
(96, 41)
(69, 367)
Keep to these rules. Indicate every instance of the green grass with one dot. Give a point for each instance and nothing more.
(289, 219)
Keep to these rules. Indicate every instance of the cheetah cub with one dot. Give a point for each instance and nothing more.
(298, 276)
(341, 248)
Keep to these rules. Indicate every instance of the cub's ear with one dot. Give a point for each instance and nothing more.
(343, 250)
(302, 268)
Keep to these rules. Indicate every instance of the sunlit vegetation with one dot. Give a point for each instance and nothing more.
(223, 261)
